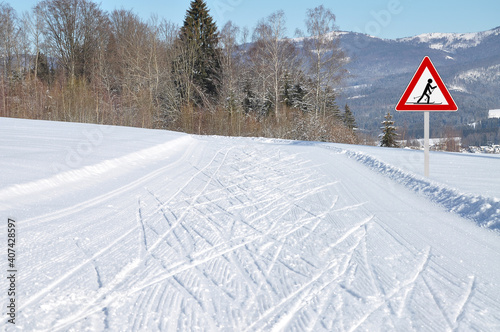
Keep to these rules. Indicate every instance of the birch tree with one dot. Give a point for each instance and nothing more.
(326, 59)
(8, 32)
(273, 53)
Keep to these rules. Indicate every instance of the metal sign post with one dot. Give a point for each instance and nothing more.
(426, 92)
(426, 144)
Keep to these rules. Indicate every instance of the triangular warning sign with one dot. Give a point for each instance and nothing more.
(426, 91)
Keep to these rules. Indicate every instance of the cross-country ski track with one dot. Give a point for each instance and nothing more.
(123, 229)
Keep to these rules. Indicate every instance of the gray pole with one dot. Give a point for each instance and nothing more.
(426, 144)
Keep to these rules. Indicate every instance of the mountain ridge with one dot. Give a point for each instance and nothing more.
(380, 69)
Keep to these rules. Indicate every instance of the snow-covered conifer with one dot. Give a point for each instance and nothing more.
(349, 120)
(388, 136)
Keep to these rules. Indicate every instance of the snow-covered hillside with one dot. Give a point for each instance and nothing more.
(126, 229)
(381, 69)
(450, 42)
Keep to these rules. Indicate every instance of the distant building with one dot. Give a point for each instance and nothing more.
(494, 114)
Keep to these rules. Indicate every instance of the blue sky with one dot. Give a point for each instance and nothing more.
(382, 18)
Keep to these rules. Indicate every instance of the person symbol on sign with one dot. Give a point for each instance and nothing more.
(427, 92)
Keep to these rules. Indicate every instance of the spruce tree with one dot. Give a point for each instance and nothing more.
(330, 107)
(388, 136)
(199, 34)
(287, 97)
(43, 70)
(349, 120)
(298, 96)
(249, 100)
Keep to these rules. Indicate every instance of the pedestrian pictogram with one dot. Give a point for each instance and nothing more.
(426, 91)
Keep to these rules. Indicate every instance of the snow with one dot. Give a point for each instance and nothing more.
(458, 88)
(494, 114)
(437, 47)
(125, 229)
(357, 97)
(452, 41)
(483, 74)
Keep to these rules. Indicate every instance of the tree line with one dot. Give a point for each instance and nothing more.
(69, 60)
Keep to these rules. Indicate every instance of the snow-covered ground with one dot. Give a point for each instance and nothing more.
(126, 229)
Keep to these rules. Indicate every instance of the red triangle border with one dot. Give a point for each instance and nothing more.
(426, 63)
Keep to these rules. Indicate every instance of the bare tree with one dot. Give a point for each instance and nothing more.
(273, 53)
(33, 25)
(228, 42)
(326, 57)
(130, 59)
(8, 35)
(169, 97)
(73, 30)
(140, 56)
(161, 52)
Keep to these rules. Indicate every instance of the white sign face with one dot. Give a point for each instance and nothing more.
(426, 91)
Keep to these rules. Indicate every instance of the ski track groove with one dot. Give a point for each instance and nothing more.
(369, 268)
(144, 242)
(55, 283)
(347, 234)
(195, 198)
(439, 306)
(198, 302)
(303, 289)
(224, 238)
(320, 219)
(104, 197)
(178, 222)
(466, 299)
(236, 216)
(246, 244)
(320, 310)
(420, 269)
(308, 297)
(102, 300)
